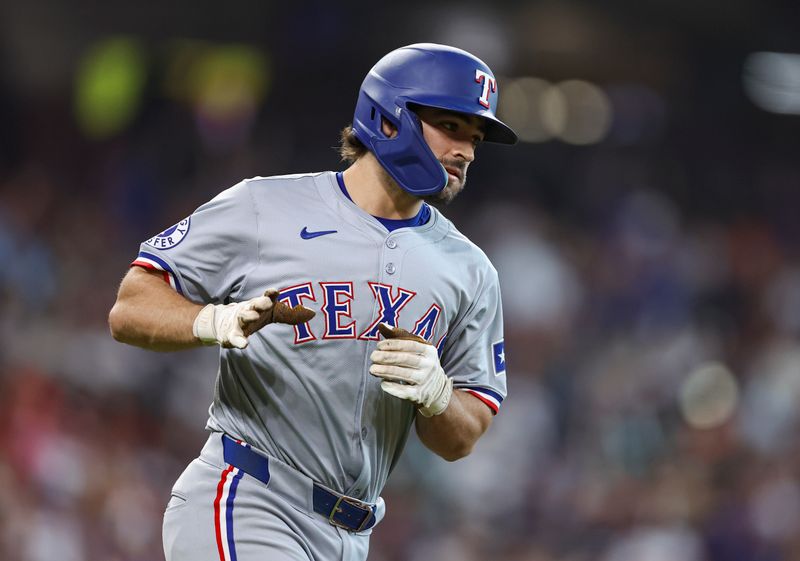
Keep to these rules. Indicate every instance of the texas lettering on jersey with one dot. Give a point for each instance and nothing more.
(337, 297)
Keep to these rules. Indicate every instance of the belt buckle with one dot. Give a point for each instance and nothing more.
(356, 503)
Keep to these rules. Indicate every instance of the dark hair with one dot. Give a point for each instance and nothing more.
(350, 147)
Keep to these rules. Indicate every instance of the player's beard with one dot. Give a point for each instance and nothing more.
(446, 195)
(453, 188)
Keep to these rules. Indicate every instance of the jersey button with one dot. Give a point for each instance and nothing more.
(390, 268)
(391, 243)
(364, 432)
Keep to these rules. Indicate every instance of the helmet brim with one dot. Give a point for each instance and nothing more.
(496, 130)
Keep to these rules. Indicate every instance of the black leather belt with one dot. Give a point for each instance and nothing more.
(340, 510)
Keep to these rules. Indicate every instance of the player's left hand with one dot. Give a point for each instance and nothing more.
(410, 369)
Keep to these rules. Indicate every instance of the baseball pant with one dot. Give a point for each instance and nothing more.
(217, 512)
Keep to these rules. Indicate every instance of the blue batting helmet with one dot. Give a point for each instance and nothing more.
(429, 75)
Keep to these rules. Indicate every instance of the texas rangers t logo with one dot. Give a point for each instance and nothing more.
(489, 84)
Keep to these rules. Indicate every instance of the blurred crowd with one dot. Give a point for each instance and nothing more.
(629, 269)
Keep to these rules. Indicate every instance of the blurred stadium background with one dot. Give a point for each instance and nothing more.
(646, 231)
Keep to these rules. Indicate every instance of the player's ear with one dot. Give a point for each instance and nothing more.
(388, 128)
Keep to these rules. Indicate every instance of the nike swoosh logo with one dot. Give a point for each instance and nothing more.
(306, 235)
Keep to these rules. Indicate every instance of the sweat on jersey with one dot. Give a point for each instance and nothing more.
(304, 393)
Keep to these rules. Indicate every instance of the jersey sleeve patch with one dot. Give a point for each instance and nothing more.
(491, 398)
(172, 236)
(499, 353)
(154, 262)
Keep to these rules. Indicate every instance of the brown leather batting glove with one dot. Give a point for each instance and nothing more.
(229, 325)
(389, 332)
(409, 368)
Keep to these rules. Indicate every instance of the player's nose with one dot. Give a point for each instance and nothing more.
(464, 150)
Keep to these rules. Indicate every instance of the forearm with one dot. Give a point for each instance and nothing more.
(454, 432)
(148, 313)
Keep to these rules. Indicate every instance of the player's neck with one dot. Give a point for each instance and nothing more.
(375, 192)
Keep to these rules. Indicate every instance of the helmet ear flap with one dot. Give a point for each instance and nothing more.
(408, 159)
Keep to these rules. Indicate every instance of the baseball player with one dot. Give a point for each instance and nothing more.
(347, 309)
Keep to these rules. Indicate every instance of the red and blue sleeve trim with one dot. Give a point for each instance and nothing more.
(491, 398)
(155, 263)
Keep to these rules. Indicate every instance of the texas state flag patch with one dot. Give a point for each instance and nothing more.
(499, 352)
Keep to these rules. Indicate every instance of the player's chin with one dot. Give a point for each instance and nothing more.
(450, 192)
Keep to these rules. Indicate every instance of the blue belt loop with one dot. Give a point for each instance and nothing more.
(245, 459)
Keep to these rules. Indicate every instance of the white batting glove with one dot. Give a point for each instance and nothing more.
(411, 370)
(229, 325)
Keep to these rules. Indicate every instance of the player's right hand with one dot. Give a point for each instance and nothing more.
(409, 368)
(229, 325)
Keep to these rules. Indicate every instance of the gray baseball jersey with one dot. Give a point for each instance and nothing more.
(303, 394)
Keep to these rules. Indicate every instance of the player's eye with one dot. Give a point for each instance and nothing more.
(452, 126)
